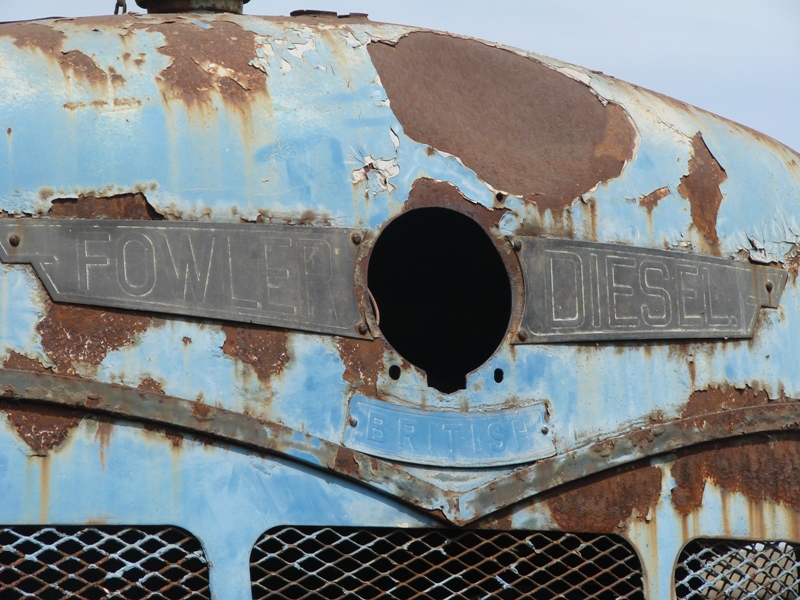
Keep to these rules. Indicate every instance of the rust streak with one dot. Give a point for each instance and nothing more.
(262, 348)
(42, 428)
(701, 188)
(759, 468)
(608, 501)
(105, 429)
(521, 126)
(83, 334)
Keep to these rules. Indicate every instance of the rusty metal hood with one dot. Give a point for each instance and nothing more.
(176, 141)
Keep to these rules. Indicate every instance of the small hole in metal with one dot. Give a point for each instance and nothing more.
(500, 196)
(498, 375)
(394, 372)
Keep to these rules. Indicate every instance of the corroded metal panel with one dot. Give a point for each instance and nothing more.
(299, 278)
(449, 439)
(584, 291)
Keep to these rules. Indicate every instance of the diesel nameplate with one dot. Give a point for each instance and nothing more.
(448, 439)
(582, 291)
(294, 277)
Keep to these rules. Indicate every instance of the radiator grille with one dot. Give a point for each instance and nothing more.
(93, 563)
(735, 569)
(331, 562)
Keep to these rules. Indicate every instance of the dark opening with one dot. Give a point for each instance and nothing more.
(443, 293)
(498, 375)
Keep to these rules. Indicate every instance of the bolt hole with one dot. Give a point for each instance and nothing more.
(500, 196)
(769, 287)
(394, 372)
(498, 375)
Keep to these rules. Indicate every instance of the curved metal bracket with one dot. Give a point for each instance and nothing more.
(456, 506)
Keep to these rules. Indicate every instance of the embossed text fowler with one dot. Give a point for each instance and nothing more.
(295, 277)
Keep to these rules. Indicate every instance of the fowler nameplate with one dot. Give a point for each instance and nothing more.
(581, 291)
(294, 277)
(448, 439)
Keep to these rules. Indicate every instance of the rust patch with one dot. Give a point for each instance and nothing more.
(35, 36)
(761, 469)
(714, 400)
(50, 41)
(124, 207)
(607, 501)
(363, 361)
(651, 200)
(42, 428)
(208, 60)
(521, 126)
(79, 64)
(200, 410)
(427, 193)
(20, 362)
(262, 348)
(73, 334)
(701, 188)
(175, 438)
(149, 384)
(345, 462)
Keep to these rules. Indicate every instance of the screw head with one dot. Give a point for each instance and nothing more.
(769, 287)
(545, 430)
(522, 335)
(14, 240)
(353, 421)
(356, 237)
(363, 328)
(517, 245)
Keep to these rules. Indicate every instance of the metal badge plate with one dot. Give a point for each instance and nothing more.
(294, 277)
(448, 439)
(583, 291)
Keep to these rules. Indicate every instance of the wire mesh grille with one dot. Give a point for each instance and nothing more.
(738, 570)
(339, 562)
(92, 563)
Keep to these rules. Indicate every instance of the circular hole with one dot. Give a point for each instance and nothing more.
(394, 372)
(500, 196)
(498, 375)
(443, 292)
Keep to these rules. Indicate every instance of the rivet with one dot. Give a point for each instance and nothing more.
(356, 237)
(545, 430)
(14, 240)
(517, 245)
(522, 335)
(353, 421)
(769, 287)
(363, 328)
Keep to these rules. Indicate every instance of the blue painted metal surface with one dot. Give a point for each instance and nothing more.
(304, 134)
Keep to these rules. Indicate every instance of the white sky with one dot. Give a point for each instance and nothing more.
(737, 58)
